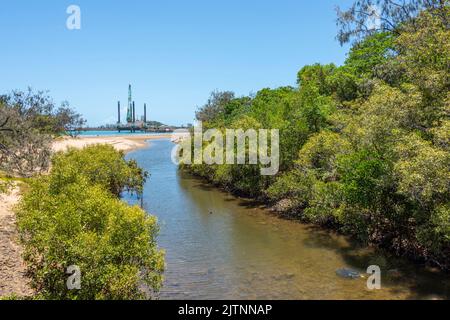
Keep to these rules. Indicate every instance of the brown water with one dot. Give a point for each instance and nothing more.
(221, 247)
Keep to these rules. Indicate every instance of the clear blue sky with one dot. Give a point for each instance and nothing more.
(174, 53)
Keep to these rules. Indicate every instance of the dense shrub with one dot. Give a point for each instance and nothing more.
(71, 217)
(100, 164)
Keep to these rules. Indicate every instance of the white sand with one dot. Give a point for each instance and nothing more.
(122, 143)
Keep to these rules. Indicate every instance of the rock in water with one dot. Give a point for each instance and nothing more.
(348, 273)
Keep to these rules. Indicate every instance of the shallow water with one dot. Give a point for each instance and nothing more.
(221, 247)
(111, 133)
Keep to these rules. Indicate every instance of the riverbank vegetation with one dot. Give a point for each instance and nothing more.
(74, 217)
(364, 147)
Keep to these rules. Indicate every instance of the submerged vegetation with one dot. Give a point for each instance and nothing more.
(364, 147)
(74, 217)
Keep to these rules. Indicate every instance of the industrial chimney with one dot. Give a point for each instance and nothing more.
(118, 112)
(145, 113)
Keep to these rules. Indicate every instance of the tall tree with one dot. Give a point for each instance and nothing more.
(215, 106)
(366, 17)
(28, 121)
(23, 149)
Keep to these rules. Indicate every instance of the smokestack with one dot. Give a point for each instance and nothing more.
(134, 113)
(145, 113)
(118, 112)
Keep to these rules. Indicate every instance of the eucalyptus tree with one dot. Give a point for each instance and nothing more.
(28, 123)
(367, 17)
(24, 151)
(215, 105)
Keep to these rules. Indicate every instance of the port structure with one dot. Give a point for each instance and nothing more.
(132, 123)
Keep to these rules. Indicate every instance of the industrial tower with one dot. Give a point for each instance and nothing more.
(130, 106)
(133, 124)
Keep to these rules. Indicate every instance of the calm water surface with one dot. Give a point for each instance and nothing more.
(99, 133)
(221, 247)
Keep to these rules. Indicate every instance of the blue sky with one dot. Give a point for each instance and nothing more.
(174, 53)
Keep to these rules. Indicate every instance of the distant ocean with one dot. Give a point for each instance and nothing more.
(115, 133)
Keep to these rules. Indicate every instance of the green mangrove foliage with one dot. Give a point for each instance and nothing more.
(364, 147)
(101, 165)
(73, 217)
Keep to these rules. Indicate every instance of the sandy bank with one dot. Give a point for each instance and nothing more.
(122, 143)
(13, 278)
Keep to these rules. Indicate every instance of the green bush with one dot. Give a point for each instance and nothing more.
(100, 164)
(71, 217)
